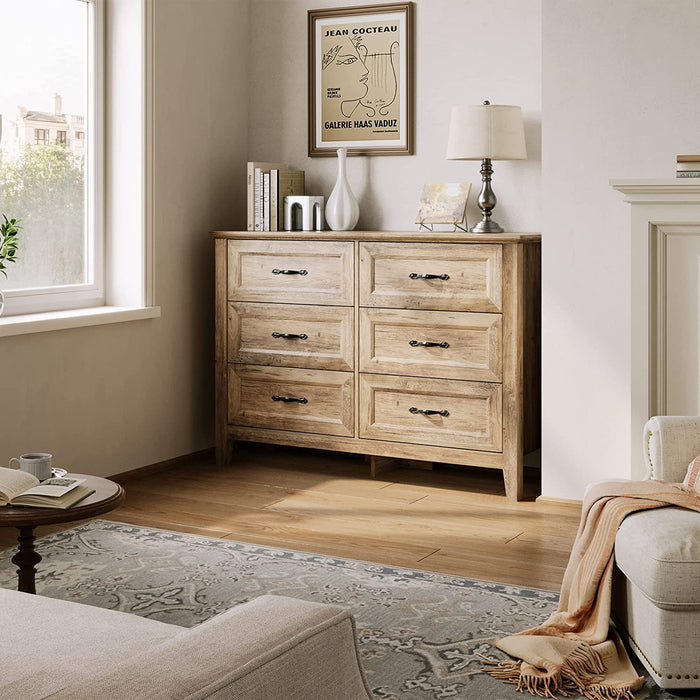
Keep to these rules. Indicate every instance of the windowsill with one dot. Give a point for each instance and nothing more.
(74, 318)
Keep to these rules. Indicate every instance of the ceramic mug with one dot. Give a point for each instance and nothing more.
(36, 463)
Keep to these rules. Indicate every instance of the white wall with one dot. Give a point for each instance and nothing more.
(620, 98)
(107, 399)
(466, 52)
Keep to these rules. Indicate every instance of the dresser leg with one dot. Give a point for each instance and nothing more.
(224, 451)
(382, 465)
(513, 476)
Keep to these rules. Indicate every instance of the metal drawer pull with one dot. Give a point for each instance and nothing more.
(301, 336)
(277, 271)
(428, 344)
(290, 399)
(427, 412)
(416, 276)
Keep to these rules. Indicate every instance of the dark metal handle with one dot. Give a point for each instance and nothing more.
(290, 399)
(301, 336)
(428, 344)
(416, 276)
(277, 271)
(427, 412)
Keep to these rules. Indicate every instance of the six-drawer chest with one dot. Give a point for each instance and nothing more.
(407, 345)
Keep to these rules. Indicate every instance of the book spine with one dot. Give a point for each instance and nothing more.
(688, 165)
(688, 159)
(688, 173)
(266, 201)
(258, 200)
(274, 206)
(250, 185)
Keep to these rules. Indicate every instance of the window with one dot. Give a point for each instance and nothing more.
(61, 241)
(79, 135)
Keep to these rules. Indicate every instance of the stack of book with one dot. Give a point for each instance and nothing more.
(688, 166)
(268, 185)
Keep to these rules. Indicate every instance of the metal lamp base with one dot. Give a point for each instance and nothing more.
(486, 201)
(486, 226)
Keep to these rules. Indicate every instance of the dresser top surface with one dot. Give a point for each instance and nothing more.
(403, 236)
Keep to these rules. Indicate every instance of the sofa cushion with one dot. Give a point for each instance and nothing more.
(50, 644)
(659, 550)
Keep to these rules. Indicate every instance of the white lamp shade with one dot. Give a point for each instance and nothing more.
(486, 131)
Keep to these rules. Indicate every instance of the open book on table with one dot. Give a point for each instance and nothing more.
(18, 488)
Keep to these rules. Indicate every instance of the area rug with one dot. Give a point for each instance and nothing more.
(421, 634)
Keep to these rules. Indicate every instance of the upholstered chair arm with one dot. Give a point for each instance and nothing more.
(266, 649)
(670, 444)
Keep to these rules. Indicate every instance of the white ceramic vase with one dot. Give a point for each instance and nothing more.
(2, 302)
(342, 210)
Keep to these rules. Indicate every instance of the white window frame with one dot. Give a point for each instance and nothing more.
(91, 292)
(123, 203)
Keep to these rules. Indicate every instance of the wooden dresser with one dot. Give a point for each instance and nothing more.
(414, 345)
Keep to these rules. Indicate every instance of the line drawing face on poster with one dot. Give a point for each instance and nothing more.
(360, 80)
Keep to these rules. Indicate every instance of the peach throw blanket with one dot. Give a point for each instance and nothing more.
(575, 651)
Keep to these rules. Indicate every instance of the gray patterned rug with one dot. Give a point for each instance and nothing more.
(420, 633)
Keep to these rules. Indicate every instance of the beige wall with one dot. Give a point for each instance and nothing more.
(466, 51)
(106, 399)
(621, 98)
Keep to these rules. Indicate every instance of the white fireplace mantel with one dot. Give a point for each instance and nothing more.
(671, 191)
(665, 310)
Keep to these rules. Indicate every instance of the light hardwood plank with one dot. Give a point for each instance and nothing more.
(448, 520)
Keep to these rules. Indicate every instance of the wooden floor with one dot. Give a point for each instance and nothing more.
(450, 520)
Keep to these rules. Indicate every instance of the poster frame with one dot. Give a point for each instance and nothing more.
(404, 145)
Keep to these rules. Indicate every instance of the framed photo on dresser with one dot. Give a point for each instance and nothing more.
(361, 80)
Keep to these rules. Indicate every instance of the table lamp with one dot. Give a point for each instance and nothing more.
(486, 132)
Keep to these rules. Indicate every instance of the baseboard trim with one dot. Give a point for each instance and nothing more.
(563, 501)
(149, 469)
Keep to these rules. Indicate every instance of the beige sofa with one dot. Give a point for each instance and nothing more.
(267, 649)
(656, 589)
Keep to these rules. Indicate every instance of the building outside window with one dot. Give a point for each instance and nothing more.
(52, 184)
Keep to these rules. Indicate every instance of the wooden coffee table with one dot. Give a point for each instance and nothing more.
(108, 495)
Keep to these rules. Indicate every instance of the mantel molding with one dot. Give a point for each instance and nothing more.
(663, 214)
(667, 191)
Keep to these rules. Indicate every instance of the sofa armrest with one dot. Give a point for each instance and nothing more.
(670, 444)
(269, 648)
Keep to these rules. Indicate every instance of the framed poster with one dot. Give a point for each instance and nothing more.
(361, 80)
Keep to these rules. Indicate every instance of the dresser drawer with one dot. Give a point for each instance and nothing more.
(390, 410)
(289, 335)
(256, 399)
(298, 272)
(459, 277)
(441, 344)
